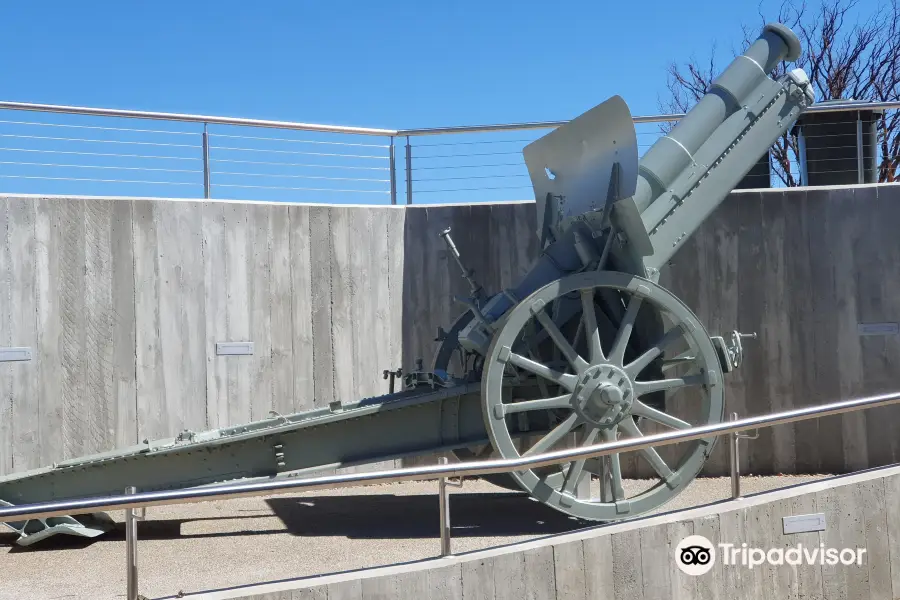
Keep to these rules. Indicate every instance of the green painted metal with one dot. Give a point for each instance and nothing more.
(578, 350)
(607, 223)
(602, 389)
(404, 424)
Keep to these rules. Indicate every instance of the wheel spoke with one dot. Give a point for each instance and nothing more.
(590, 327)
(683, 358)
(578, 330)
(617, 354)
(639, 409)
(567, 380)
(649, 454)
(532, 352)
(543, 404)
(615, 467)
(561, 342)
(577, 468)
(648, 387)
(635, 367)
(558, 433)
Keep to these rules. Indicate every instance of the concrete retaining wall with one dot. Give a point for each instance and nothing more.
(123, 302)
(635, 560)
(802, 268)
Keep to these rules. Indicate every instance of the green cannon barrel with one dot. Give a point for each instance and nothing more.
(671, 154)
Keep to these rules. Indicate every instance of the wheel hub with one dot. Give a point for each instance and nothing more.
(603, 396)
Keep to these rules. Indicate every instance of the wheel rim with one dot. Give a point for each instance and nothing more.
(452, 361)
(597, 391)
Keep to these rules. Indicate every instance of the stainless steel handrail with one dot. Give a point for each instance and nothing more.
(163, 116)
(465, 469)
(816, 108)
(211, 119)
(206, 120)
(524, 126)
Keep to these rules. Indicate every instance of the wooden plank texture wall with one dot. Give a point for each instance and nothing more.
(802, 268)
(124, 300)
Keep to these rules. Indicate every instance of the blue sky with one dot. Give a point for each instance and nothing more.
(379, 64)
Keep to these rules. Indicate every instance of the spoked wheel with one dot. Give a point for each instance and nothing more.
(598, 371)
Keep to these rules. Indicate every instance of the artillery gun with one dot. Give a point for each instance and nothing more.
(587, 347)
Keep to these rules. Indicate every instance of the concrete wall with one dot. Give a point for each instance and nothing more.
(124, 300)
(802, 268)
(635, 560)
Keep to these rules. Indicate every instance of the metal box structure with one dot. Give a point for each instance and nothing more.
(586, 347)
(831, 143)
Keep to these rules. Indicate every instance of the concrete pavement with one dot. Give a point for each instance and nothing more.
(222, 544)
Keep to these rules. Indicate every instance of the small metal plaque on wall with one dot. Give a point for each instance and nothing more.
(14, 354)
(234, 348)
(878, 328)
(804, 523)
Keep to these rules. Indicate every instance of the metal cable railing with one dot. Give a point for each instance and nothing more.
(52, 157)
(272, 164)
(133, 499)
(76, 151)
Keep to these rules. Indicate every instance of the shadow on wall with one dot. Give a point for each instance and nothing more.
(804, 268)
(123, 303)
(497, 241)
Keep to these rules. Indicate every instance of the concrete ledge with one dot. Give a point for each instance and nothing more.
(4, 196)
(633, 559)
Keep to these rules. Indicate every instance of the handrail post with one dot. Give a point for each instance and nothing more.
(206, 186)
(736, 437)
(735, 462)
(444, 497)
(393, 168)
(801, 158)
(860, 174)
(408, 172)
(131, 537)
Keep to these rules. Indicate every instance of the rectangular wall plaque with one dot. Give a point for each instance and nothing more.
(14, 354)
(878, 328)
(234, 348)
(804, 523)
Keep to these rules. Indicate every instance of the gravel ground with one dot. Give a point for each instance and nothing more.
(238, 542)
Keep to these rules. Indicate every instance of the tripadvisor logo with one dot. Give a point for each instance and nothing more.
(696, 555)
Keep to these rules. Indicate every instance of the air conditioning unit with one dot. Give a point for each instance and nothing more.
(829, 145)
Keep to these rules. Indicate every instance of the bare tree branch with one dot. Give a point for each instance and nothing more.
(859, 61)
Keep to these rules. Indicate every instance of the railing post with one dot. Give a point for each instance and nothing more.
(444, 512)
(393, 168)
(735, 462)
(408, 172)
(131, 537)
(801, 158)
(206, 185)
(860, 174)
(736, 437)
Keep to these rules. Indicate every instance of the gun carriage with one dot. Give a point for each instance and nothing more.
(587, 347)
